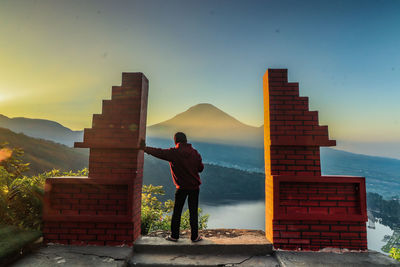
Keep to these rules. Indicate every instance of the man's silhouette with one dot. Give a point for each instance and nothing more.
(186, 163)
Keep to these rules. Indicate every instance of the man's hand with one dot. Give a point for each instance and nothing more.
(142, 145)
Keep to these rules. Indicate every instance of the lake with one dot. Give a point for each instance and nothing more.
(250, 215)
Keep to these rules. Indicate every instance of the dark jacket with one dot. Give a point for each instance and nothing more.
(185, 162)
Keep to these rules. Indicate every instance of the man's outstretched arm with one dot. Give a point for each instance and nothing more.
(201, 165)
(165, 154)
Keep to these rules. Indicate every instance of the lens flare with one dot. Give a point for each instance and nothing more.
(5, 153)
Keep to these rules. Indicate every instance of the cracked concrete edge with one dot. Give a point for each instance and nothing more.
(279, 259)
(98, 251)
(46, 255)
(298, 259)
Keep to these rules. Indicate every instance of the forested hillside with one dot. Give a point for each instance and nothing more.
(45, 155)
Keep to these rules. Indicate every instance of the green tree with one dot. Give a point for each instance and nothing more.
(156, 214)
(21, 196)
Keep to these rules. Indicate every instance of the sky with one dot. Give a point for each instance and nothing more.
(59, 59)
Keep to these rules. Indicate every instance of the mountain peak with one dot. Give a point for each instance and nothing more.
(204, 106)
(206, 122)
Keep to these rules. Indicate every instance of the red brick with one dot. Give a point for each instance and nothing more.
(58, 230)
(294, 210)
(321, 241)
(339, 228)
(330, 234)
(310, 234)
(107, 201)
(116, 196)
(299, 241)
(96, 231)
(87, 225)
(87, 212)
(347, 204)
(51, 224)
(69, 224)
(349, 235)
(88, 201)
(80, 196)
(357, 228)
(320, 227)
(280, 241)
(336, 197)
(317, 197)
(78, 231)
(124, 225)
(297, 227)
(116, 231)
(328, 203)
(279, 227)
(309, 203)
(334, 210)
(105, 225)
(340, 242)
(87, 237)
(97, 196)
(70, 212)
(68, 236)
(106, 237)
(60, 195)
(290, 234)
(318, 210)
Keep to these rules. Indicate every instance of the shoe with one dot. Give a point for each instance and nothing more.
(170, 238)
(199, 238)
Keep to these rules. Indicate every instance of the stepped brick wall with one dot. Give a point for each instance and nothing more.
(305, 210)
(104, 208)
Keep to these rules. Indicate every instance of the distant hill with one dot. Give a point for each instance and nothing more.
(382, 174)
(45, 155)
(232, 173)
(221, 185)
(207, 123)
(44, 129)
(202, 123)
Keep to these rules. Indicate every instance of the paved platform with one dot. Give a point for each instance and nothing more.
(334, 259)
(215, 250)
(177, 259)
(159, 245)
(77, 256)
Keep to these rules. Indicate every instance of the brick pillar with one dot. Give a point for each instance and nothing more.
(104, 208)
(305, 210)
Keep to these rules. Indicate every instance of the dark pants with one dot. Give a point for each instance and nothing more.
(193, 201)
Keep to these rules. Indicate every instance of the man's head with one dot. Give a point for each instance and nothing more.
(180, 137)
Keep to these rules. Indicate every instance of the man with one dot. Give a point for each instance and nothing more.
(186, 163)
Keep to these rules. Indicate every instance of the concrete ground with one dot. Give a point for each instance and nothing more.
(216, 250)
(333, 259)
(62, 255)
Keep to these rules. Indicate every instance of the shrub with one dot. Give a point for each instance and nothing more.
(21, 196)
(395, 253)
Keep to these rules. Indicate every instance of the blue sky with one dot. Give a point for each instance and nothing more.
(60, 58)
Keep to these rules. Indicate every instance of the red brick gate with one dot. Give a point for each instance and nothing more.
(104, 208)
(305, 210)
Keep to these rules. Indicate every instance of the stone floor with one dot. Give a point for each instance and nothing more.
(221, 247)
